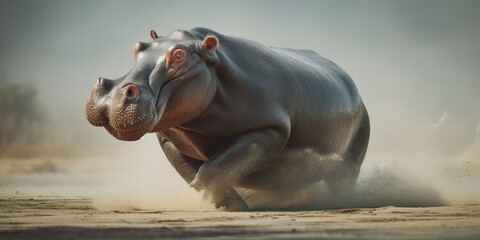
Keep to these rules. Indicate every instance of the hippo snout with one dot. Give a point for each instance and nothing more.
(96, 113)
(125, 109)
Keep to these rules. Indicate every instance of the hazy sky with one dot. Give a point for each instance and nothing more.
(412, 61)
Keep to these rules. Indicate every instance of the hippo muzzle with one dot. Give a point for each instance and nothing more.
(126, 110)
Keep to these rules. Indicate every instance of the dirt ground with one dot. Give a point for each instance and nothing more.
(76, 218)
(57, 203)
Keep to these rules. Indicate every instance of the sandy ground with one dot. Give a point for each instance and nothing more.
(49, 200)
(76, 218)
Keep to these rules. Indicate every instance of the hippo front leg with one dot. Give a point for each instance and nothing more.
(187, 167)
(246, 155)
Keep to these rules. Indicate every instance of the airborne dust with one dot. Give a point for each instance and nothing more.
(413, 179)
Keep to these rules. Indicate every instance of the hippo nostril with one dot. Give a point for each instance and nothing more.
(132, 92)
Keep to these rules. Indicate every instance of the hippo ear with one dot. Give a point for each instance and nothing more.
(153, 34)
(210, 43)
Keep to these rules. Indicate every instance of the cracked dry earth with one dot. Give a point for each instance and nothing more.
(76, 218)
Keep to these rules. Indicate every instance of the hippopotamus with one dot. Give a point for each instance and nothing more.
(231, 113)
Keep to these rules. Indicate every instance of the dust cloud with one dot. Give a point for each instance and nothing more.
(139, 177)
(414, 179)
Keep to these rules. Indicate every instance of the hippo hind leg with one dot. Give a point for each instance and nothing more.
(343, 178)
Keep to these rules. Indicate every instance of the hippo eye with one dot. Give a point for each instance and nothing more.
(178, 55)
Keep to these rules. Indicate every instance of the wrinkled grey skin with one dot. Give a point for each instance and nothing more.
(239, 114)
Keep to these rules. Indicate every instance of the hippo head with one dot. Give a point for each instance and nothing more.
(170, 84)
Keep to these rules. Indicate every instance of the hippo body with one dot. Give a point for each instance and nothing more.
(235, 113)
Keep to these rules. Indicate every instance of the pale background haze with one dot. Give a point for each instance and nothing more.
(412, 61)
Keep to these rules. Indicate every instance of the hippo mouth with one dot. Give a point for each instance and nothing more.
(124, 127)
(130, 122)
(128, 134)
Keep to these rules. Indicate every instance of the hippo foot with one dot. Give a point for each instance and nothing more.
(222, 196)
(231, 201)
